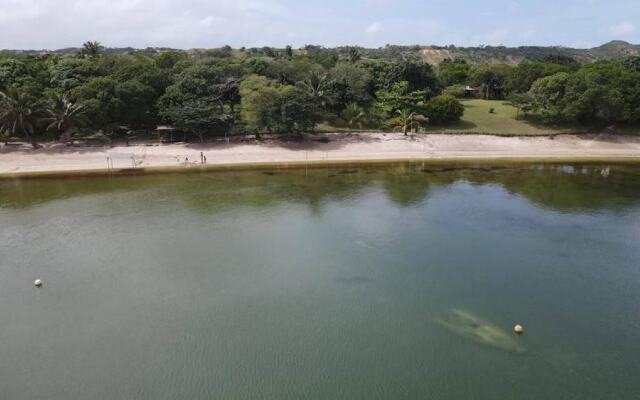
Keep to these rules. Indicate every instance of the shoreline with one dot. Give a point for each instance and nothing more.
(355, 149)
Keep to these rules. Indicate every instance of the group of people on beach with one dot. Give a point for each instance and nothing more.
(203, 160)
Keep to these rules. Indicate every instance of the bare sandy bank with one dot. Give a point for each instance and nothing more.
(19, 160)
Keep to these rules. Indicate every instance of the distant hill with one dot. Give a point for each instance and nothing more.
(430, 54)
(513, 55)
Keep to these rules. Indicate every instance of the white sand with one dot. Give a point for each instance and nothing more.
(343, 147)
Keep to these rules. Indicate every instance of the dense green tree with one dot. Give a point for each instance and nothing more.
(560, 59)
(98, 96)
(198, 80)
(269, 52)
(226, 93)
(91, 49)
(444, 109)
(633, 63)
(353, 54)
(297, 110)
(327, 58)
(258, 103)
(141, 69)
(349, 84)
(316, 85)
(492, 78)
(200, 90)
(68, 73)
(290, 72)
(201, 101)
(198, 116)
(400, 98)
(454, 72)
(418, 75)
(12, 73)
(222, 52)
(137, 104)
(353, 116)
(522, 76)
(169, 59)
(523, 102)
(603, 91)
(270, 107)
(61, 115)
(599, 92)
(548, 95)
(382, 73)
(19, 113)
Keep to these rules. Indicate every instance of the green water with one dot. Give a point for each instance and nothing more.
(327, 284)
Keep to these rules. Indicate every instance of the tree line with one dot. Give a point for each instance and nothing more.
(557, 89)
(255, 91)
(215, 92)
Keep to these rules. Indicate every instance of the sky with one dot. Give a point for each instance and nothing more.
(53, 24)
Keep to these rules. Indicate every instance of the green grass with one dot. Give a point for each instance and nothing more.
(325, 127)
(504, 121)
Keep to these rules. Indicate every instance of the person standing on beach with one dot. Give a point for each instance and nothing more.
(201, 158)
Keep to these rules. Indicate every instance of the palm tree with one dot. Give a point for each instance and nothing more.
(18, 111)
(316, 84)
(62, 115)
(353, 54)
(226, 92)
(407, 121)
(353, 115)
(91, 49)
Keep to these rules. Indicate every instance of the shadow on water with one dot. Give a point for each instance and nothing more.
(563, 188)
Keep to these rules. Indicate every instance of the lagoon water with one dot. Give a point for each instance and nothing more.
(324, 284)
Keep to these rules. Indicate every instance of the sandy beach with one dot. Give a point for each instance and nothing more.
(21, 160)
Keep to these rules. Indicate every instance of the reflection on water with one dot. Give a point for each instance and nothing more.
(395, 282)
(560, 187)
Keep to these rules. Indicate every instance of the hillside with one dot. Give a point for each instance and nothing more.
(431, 54)
(515, 55)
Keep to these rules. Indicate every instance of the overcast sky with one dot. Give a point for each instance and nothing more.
(52, 24)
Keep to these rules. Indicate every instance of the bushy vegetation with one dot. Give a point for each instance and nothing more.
(206, 93)
(605, 92)
(556, 89)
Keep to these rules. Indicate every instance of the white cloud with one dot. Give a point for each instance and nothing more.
(140, 23)
(624, 28)
(54, 24)
(374, 28)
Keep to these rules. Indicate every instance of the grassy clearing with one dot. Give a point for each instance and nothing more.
(503, 122)
(478, 119)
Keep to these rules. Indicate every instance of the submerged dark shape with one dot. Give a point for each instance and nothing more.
(468, 325)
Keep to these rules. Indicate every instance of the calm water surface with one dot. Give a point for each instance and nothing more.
(402, 282)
